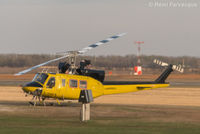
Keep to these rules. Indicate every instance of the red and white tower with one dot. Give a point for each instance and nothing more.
(138, 68)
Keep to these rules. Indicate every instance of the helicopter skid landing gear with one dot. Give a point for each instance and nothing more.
(33, 101)
(37, 96)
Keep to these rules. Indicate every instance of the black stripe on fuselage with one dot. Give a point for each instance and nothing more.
(129, 82)
(93, 45)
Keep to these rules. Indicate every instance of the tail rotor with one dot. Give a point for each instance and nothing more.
(167, 72)
(178, 68)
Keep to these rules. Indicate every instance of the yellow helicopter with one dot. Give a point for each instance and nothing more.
(70, 80)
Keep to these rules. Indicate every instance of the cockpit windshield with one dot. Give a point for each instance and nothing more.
(40, 77)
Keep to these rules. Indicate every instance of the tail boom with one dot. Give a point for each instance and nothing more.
(126, 88)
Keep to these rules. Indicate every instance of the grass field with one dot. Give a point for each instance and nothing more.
(106, 119)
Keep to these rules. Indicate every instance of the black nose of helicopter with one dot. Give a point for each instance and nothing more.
(31, 87)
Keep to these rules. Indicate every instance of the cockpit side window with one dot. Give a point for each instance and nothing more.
(51, 83)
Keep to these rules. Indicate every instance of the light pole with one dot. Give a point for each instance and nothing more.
(138, 68)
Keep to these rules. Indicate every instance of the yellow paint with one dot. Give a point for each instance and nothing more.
(116, 89)
(60, 91)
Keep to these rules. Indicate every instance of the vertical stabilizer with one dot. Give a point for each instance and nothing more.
(164, 75)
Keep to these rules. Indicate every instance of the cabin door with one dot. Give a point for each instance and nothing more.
(50, 87)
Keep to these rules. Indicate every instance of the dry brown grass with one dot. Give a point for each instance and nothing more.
(163, 96)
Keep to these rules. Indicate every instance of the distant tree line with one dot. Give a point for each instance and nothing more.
(24, 60)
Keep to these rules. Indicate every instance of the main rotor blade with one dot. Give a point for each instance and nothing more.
(78, 52)
(30, 69)
(100, 43)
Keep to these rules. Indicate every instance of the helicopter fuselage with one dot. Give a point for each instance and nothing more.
(68, 86)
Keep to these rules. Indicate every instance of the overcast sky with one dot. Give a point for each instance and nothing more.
(168, 27)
